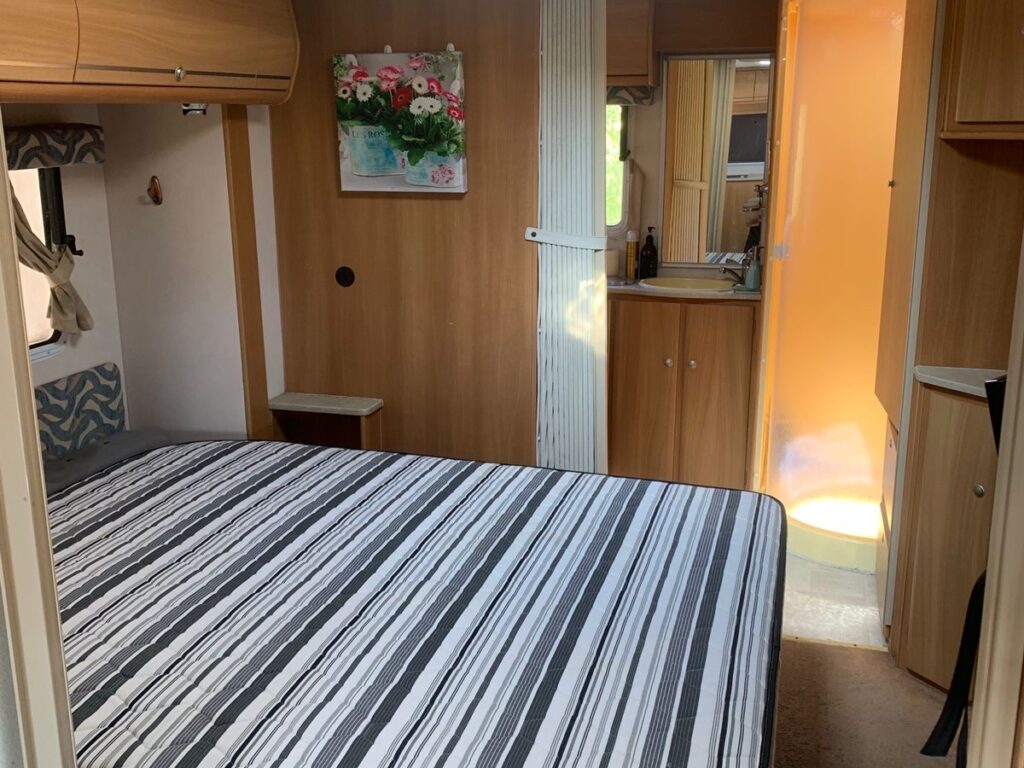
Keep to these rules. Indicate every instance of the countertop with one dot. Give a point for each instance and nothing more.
(967, 381)
(636, 290)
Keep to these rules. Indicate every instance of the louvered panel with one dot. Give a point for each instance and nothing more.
(571, 339)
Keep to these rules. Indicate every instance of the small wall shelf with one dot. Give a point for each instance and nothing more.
(329, 420)
(966, 381)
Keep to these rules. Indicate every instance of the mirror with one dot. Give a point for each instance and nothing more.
(692, 159)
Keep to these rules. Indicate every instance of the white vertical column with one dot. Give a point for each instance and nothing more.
(572, 332)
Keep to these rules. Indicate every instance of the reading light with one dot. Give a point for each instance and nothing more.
(189, 108)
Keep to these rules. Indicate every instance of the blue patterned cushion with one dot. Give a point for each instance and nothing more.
(80, 409)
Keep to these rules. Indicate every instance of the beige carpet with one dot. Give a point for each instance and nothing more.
(846, 707)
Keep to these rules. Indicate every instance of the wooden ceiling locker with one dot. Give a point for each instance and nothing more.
(34, 52)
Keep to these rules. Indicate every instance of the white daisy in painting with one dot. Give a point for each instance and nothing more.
(420, 84)
(425, 105)
(364, 91)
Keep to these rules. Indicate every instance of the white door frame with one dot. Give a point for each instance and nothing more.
(27, 578)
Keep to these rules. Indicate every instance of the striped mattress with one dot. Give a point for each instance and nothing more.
(260, 604)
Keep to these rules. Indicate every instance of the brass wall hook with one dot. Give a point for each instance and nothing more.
(155, 191)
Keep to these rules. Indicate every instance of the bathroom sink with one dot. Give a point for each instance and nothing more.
(696, 284)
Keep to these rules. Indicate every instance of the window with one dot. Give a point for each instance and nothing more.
(39, 193)
(616, 155)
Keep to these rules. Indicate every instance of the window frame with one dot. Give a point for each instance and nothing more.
(620, 229)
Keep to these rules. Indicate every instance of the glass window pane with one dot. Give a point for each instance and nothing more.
(35, 288)
(614, 165)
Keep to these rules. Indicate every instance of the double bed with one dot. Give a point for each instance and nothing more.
(264, 604)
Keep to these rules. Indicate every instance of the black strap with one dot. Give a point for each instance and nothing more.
(955, 710)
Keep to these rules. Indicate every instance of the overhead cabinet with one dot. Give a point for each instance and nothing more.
(631, 58)
(985, 84)
(214, 50)
(38, 40)
(680, 390)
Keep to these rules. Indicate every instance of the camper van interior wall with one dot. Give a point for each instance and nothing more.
(401, 122)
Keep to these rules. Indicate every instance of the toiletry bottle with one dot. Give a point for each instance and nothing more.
(648, 257)
(632, 253)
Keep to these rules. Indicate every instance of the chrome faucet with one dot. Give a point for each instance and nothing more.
(737, 274)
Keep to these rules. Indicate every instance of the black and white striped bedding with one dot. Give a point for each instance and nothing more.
(259, 604)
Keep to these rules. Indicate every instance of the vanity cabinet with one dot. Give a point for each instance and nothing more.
(985, 83)
(679, 395)
(947, 515)
(38, 40)
(631, 58)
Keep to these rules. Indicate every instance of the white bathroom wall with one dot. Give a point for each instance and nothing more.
(266, 245)
(85, 205)
(174, 270)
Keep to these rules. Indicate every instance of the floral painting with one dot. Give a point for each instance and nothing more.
(401, 122)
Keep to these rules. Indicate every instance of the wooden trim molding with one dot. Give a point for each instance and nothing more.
(27, 577)
(997, 739)
(259, 420)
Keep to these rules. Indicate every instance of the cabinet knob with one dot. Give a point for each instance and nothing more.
(669, 362)
(979, 491)
(692, 364)
(180, 73)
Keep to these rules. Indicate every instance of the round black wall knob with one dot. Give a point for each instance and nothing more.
(345, 277)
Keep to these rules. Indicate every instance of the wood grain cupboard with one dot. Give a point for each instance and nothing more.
(631, 56)
(905, 203)
(680, 390)
(35, 51)
(947, 517)
(985, 87)
(164, 50)
(752, 91)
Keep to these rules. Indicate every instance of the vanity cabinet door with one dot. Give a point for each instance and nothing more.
(38, 40)
(644, 388)
(947, 516)
(714, 422)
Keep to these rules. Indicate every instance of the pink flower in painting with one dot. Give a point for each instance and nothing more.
(442, 175)
(359, 73)
(456, 113)
(388, 85)
(453, 99)
(416, 63)
(347, 82)
(434, 85)
(390, 72)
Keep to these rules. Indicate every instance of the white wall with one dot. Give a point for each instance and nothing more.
(266, 244)
(174, 270)
(85, 205)
(10, 735)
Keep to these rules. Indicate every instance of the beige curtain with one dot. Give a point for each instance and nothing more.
(721, 133)
(68, 313)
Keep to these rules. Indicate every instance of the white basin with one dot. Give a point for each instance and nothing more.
(693, 284)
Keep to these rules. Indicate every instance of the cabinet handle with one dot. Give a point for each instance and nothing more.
(180, 73)
(980, 491)
(669, 362)
(692, 365)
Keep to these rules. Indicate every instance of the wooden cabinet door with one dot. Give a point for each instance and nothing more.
(215, 42)
(38, 40)
(991, 74)
(714, 422)
(630, 42)
(952, 458)
(278, 43)
(644, 388)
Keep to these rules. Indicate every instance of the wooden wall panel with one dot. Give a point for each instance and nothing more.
(710, 26)
(441, 322)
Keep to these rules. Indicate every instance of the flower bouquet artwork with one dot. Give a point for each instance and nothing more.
(401, 122)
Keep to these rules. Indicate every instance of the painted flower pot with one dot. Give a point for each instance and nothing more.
(435, 171)
(370, 153)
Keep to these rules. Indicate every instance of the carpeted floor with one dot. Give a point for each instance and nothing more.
(847, 707)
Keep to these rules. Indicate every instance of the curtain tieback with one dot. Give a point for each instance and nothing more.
(61, 275)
